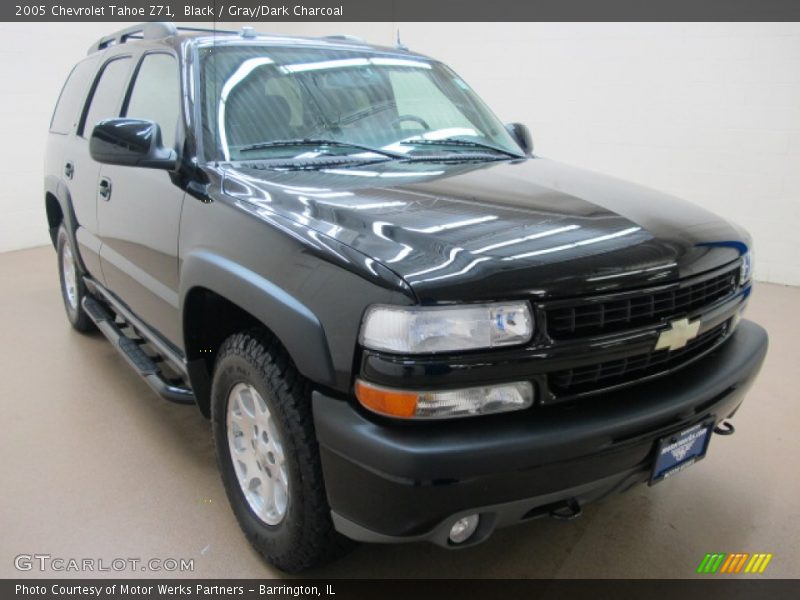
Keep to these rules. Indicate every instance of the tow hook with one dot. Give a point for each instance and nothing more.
(725, 428)
(567, 510)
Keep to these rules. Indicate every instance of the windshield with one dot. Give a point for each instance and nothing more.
(256, 99)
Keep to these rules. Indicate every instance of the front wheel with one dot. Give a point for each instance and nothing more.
(73, 289)
(268, 454)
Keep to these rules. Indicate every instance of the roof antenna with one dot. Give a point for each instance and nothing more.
(400, 45)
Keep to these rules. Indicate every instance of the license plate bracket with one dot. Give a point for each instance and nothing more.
(678, 451)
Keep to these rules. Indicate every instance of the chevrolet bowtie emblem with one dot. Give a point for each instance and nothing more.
(678, 335)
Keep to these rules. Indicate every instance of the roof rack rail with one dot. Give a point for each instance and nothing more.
(210, 30)
(344, 37)
(147, 31)
(159, 30)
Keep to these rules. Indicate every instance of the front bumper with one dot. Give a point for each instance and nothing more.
(391, 481)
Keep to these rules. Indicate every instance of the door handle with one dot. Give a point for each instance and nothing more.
(69, 170)
(104, 188)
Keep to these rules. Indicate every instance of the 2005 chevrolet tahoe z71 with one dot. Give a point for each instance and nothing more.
(402, 324)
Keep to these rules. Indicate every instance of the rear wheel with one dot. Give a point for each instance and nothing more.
(268, 454)
(73, 289)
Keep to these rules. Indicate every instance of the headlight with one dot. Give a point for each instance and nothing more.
(746, 268)
(415, 330)
(444, 404)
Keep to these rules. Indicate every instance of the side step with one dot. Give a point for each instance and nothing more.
(135, 356)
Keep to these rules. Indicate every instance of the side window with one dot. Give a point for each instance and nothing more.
(66, 112)
(107, 94)
(156, 94)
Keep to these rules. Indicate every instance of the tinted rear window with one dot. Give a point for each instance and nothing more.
(68, 106)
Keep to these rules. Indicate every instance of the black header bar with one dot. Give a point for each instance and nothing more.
(729, 588)
(400, 10)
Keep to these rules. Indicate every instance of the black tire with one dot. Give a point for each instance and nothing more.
(77, 317)
(305, 537)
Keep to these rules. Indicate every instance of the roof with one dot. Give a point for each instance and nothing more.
(164, 30)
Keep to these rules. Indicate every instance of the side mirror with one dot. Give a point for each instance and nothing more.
(131, 143)
(521, 135)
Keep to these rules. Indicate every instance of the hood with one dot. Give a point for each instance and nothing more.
(498, 230)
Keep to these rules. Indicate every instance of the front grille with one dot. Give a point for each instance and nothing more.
(593, 317)
(602, 375)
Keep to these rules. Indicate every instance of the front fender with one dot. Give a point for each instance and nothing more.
(288, 318)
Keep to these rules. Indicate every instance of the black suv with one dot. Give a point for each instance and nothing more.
(402, 324)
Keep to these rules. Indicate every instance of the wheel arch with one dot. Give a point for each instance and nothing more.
(58, 208)
(55, 215)
(220, 297)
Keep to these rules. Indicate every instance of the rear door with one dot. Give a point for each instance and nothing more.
(139, 211)
(80, 171)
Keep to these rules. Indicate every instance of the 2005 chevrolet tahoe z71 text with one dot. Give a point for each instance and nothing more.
(402, 324)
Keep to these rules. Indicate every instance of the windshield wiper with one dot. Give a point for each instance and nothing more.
(316, 143)
(312, 164)
(457, 142)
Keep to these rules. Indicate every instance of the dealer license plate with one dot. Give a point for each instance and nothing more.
(679, 451)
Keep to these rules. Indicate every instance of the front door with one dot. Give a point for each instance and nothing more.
(139, 209)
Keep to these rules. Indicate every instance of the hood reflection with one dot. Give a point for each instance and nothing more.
(441, 227)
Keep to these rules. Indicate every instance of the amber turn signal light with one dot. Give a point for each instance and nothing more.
(385, 401)
(445, 404)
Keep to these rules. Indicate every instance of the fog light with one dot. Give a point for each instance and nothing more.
(463, 529)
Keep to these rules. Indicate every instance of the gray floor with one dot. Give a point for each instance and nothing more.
(95, 465)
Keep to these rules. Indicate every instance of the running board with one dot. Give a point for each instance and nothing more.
(135, 356)
(125, 314)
